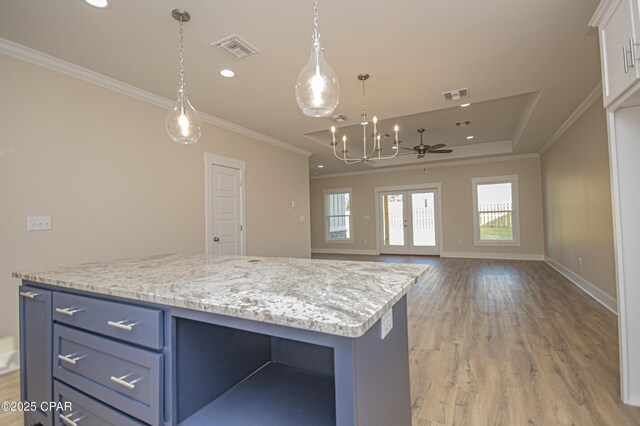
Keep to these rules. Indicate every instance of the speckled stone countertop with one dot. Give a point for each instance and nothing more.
(335, 297)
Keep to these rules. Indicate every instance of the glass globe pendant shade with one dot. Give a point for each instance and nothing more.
(183, 123)
(317, 87)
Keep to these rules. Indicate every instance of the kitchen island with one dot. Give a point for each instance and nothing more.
(199, 340)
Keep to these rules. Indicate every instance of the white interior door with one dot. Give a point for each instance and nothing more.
(225, 210)
(409, 222)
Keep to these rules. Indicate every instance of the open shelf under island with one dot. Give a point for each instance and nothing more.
(198, 340)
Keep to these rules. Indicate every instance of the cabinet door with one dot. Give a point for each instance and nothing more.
(35, 348)
(615, 34)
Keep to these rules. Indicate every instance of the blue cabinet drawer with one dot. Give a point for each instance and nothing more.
(135, 324)
(123, 376)
(84, 410)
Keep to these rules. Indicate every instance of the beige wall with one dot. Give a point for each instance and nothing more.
(457, 204)
(577, 200)
(102, 166)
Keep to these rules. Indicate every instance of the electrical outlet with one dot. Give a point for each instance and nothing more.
(580, 261)
(39, 223)
(459, 242)
(386, 323)
(301, 218)
(366, 241)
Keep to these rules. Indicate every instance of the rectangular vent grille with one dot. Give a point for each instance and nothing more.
(463, 123)
(338, 118)
(454, 95)
(235, 46)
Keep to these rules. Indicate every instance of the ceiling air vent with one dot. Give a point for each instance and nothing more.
(463, 123)
(235, 46)
(454, 95)
(338, 118)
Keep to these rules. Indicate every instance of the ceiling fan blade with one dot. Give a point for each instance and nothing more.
(438, 146)
(441, 151)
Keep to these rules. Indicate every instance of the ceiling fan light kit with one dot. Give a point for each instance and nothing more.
(374, 154)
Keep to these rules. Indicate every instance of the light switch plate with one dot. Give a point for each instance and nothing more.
(39, 223)
(386, 323)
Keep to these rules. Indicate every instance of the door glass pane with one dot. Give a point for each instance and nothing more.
(495, 207)
(423, 216)
(393, 219)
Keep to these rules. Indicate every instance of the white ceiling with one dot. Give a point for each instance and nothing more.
(528, 63)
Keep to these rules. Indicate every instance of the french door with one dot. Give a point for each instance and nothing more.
(409, 222)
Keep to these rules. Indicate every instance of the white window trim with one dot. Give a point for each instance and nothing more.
(513, 180)
(325, 219)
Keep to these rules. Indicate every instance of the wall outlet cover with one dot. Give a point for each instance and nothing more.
(39, 223)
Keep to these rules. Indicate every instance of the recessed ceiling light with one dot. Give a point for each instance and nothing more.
(470, 137)
(320, 166)
(465, 105)
(227, 73)
(98, 3)
(395, 147)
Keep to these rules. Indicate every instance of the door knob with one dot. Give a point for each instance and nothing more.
(216, 239)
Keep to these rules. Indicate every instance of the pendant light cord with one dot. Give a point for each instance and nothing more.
(315, 20)
(181, 56)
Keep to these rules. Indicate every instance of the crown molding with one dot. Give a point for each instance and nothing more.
(429, 166)
(36, 57)
(604, 8)
(595, 93)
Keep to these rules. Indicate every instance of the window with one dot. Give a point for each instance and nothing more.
(337, 207)
(495, 211)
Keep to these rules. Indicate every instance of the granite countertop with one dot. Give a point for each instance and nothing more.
(336, 297)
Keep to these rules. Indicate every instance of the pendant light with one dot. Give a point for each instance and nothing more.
(183, 123)
(317, 87)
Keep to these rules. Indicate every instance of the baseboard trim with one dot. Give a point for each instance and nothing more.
(633, 401)
(496, 256)
(344, 251)
(13, 364)
(600, 296)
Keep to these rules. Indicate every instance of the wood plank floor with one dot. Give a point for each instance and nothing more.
(497, 343)
(10, 391)
(509, 343)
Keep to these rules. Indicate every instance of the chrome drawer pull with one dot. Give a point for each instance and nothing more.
(67, 421)
(121, 325)
(68, 311)
(29, 294)
(122, 382)
(69, 359)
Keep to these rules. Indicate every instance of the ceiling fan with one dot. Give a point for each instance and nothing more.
(423, 149)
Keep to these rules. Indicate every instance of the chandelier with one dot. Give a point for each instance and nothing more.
(374, 153)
